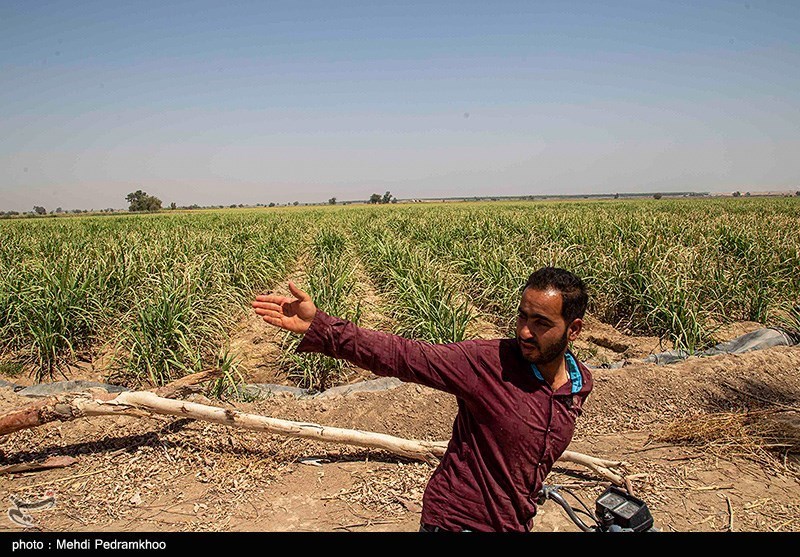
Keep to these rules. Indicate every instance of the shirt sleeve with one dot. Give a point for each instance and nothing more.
(447, 367)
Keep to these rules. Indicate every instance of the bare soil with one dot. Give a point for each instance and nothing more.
(171, 474)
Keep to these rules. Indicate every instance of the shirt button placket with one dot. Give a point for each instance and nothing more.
(549, 427)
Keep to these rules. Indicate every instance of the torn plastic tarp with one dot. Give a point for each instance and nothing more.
(755, 340)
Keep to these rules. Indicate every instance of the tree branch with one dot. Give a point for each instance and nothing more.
(145, 403)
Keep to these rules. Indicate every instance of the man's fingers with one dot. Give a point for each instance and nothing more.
(302, 296)
(272, 320)
(272, 298)
(267, 305)
(270, 313)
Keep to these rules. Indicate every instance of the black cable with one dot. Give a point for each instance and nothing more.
(578, 499)
(571, 512)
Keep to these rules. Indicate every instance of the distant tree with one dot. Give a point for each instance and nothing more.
(233, 206)
(172, 206)
(797, 193)
(59, 210)
(271, 204)
(39, 210)
(332, 201)
(747, 194)
(616, 196)
(737, 194)
(140, 201)
(375, 198)
(296, 203)
(394, 200)
(387, 197)
(657, 196)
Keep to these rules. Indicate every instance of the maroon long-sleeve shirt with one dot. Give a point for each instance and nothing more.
(509, 430)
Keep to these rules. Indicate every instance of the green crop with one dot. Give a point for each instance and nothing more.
(161, 293)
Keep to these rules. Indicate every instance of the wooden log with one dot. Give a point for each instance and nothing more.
(59, 407)
(150, 402)
(187, 384)
(146, 403)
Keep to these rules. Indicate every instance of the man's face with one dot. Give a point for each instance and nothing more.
(542, 333)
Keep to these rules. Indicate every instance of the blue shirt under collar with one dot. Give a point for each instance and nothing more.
(572, 369)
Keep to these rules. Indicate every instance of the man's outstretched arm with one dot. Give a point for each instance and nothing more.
(447, 367)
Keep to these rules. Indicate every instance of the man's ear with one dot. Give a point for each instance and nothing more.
(574, 329)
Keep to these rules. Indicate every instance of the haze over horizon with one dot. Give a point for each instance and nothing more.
(256, 102)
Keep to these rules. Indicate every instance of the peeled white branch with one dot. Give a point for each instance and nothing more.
(146, 403)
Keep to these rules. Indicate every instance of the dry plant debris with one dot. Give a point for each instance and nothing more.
(389, 490)
(766, 436)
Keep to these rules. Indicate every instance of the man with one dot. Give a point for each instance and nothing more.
(518, 399)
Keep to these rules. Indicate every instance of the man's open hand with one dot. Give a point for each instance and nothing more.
(293, 314)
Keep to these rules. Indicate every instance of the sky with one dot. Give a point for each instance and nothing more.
(257, 102)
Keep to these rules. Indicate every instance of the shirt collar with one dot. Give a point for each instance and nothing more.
(572, 369)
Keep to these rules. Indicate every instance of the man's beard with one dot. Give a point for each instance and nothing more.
(549, 353)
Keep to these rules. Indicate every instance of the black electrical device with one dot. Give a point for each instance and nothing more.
(619, 508)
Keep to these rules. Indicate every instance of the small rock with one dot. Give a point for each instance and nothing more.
(136, 499)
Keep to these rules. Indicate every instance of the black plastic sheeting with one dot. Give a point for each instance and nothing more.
(57, 387)
(252, 390)
(755, 340)
(262, 390)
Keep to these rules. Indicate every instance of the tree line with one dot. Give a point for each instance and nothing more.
(140, 201)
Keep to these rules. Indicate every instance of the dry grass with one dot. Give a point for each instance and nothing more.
(390, 491)
(764, 435)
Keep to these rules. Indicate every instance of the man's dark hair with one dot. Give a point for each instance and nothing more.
(573, 291)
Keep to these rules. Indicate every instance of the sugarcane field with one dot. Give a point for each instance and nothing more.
(139, 391)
